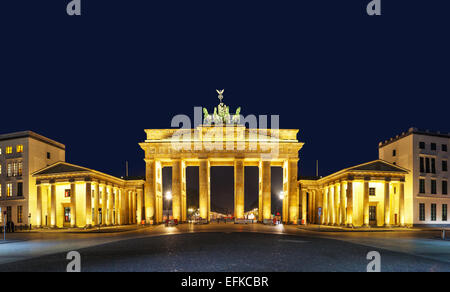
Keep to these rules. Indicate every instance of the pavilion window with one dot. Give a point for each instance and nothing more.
(422, 164)
(67, 193)
(444, 187)
(422, 186)
(433, 212)
(422, 212)
(444, 212)
(20, 189)
(433, 186)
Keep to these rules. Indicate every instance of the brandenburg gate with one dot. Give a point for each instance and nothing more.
(220, 141)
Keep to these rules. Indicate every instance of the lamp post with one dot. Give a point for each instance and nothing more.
(168, 198)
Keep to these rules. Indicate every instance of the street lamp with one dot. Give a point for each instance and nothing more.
(168, 198)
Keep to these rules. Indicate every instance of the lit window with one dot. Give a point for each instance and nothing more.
(67, 193)
(1, 150)
(19, 149)
(9, 170)
(9, 190)
(15, 169)
(0, 191)
(20, 168)
(8, 150)
(0, 169)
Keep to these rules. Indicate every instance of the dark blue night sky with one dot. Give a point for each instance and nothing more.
(345, 79)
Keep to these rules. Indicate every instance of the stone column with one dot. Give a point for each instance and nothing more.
(260, 195)
(336, 204)
(183, 192)
(116, 207)
(294, 196)
(96, 204)
(366, 203)
(349, 203)
(330, 206)
(38, 206)
(73, 204)
(342, 205)
(304, 213)
(126, 207)
(53, 219)
(325, 205)
(109, 206)
(122, 206)
(139, 206)
(88, 205)
(176, 189)
(387, 203)
(134, 221)
(104, 205)
(401, 203)
(130, 207)
(204, 188)
(158, 192)
(320, 205)
(150, 188)
(285, 212)
(266, 189)
(239, 172)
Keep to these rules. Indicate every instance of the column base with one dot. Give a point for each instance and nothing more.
(387, 225)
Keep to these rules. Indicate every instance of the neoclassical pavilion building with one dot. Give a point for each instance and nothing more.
(74, 196)
(370, 194)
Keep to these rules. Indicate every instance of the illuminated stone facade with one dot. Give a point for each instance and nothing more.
(68, 195)
(426, 155)
(207, 146)
(370, 194)
(21, 154)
